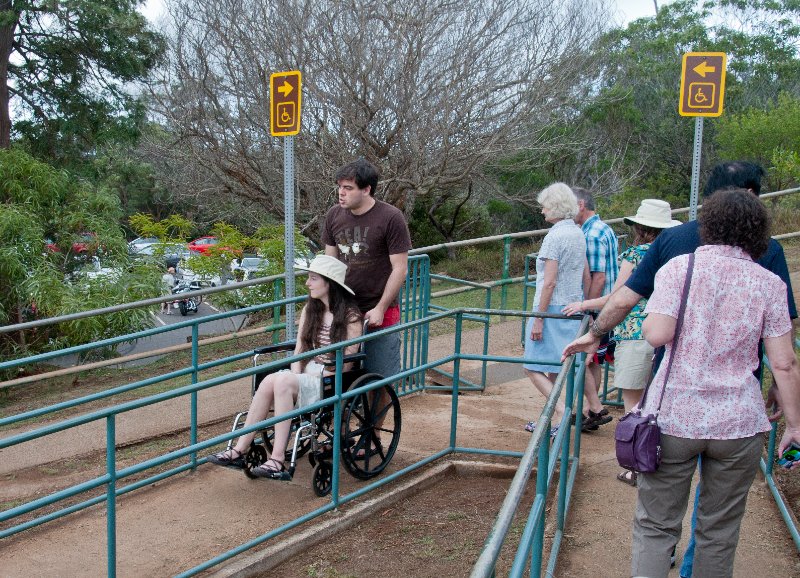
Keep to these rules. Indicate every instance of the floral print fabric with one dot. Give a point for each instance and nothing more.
(733, 302)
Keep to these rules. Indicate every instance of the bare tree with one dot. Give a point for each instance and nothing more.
(432, 91)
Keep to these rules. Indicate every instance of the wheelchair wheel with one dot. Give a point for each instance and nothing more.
(254, 457)
(302, 448)
(370, 429)
(323, 479)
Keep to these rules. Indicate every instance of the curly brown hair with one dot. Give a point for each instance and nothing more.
(735, 217)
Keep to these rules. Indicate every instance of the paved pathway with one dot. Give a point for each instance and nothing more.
(180, 522)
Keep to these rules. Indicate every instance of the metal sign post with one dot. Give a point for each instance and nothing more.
(702, 94)
(288, 230)
(285, 94)
(698, 146)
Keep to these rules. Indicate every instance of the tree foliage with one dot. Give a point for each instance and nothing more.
(628, 136)
(38, 202)
(768, 136)
(429, 90)
(65, 71)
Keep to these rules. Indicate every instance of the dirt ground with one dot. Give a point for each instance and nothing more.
(176, 524)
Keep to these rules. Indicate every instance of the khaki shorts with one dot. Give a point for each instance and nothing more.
(633, 362)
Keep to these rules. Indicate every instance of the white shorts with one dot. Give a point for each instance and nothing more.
(633, 363)
(309, 388)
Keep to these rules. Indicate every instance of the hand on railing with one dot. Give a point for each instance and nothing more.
(773, 404)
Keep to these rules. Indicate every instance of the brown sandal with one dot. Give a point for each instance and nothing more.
(627, 477)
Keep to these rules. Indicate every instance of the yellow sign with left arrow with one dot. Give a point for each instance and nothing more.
(702, 84)
(285, 95)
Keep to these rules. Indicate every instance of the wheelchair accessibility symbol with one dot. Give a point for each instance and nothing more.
(701, 94)
(285, 115)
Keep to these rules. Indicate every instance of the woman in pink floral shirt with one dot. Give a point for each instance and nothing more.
(712, 404)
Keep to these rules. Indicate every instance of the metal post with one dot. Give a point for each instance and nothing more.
(698, 146)
(288, 235)
(111, 496)
(193, 396)
(506, 267)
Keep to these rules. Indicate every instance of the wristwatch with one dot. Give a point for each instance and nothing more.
(595, 330)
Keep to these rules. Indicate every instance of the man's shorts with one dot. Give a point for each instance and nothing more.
(633, 364)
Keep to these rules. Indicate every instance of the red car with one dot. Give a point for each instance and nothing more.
(203, 244)
(87, 242)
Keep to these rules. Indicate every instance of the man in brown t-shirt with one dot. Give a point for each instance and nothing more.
(372, 238)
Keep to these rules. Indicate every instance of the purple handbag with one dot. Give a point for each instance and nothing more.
(637, 436)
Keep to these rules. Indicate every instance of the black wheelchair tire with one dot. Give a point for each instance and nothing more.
(362, 455)
(182, 307)
(322, 479)
(254, 457)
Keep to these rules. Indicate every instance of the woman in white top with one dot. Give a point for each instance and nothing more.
(560, 268)
(330, 315)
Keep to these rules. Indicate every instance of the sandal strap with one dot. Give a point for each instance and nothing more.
(228, 454)
(281, 468)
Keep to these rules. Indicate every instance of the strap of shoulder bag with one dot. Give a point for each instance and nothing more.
(678, 326)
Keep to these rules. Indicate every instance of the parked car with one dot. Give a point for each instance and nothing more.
(172, 254)
(248, 267)
(85, 243)
(140, 243)
(203, 244)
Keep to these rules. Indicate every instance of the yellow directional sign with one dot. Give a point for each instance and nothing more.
(702, 84)
(285, 93)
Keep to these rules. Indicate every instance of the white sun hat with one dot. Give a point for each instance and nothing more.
(330, 268)
(653, 213)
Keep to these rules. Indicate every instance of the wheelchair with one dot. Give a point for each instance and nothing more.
(366, 447)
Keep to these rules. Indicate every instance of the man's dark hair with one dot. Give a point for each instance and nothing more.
(583, 195)
(737, 174)
(735, 217)
(363, 172)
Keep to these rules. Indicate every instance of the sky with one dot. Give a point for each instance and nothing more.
(628, 9)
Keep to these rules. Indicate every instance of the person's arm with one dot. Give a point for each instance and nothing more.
(550, 276)
(297, 366)
(354, 329)
(594, 304)
(786, 372)
(658, 329)
(596, 285)
(332, 251)
(396, 279)
(618, 306)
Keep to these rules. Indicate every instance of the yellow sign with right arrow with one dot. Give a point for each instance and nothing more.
(702, 84)
(285, 95)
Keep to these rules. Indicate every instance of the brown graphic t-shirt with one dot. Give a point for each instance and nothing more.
(364, 243)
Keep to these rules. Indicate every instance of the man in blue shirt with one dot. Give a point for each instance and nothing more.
(672, 242)
(601, 253)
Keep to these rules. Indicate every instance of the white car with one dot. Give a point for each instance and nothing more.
(140, 243)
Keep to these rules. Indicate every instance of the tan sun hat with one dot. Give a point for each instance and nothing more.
(653, 213)
(330, 268)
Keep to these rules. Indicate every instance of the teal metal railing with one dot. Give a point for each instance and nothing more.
(768, 465)
(108, 487)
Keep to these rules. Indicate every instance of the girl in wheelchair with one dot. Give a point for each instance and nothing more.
(330, 316)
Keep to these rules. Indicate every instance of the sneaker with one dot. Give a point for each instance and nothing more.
(530, 426)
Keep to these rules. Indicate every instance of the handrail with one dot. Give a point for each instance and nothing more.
(484, 566)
